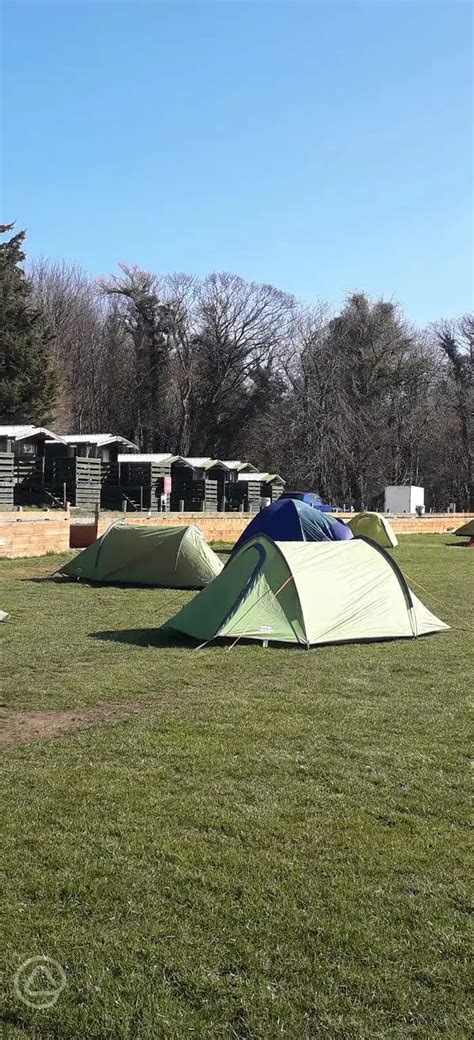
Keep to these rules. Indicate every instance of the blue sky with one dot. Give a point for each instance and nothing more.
(322, 147)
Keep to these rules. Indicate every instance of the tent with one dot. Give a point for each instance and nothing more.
(173, 557)
(376, 527)
(300, 592)
(467, 531)
(310, 498)
(288, 520)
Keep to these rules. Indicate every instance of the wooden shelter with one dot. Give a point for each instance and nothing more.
(80, 464)
(27, 445)
(103, 446)
(251, 487)
(203, 483)
(234, 467)
(198, 484)
(6, 480)
(42, 468)
(273, 486)
(138, 481)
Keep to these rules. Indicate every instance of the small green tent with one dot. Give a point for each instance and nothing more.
(376, 527)
(467, 529)
(307, 592)
(171, 557)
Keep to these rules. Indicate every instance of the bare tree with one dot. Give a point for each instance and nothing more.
(182, 293)
(342, 404)
(240, 325)
(148, 318)
(357, 386)
(70, 300)
(456, 340)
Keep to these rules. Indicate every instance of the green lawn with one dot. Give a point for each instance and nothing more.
(274, 845)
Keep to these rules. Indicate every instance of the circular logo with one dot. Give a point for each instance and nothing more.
(39, 981)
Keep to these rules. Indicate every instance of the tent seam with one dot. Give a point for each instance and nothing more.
(186, 532)
(104, 536)
(276, 544)
(395, 568)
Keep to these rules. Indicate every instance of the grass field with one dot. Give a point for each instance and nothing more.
(242, 845)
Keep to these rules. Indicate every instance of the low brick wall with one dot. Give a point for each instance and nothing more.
(33, 534)
(429, 524)
(216, 527)
(227, 527)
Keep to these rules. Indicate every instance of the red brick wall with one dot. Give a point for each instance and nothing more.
(27, 534)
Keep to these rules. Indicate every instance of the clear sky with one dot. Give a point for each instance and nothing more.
(322, 147)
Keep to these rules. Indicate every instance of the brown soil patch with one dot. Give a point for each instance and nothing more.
(20, 727)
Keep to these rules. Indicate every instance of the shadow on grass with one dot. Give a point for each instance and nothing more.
(159, 638)
(145, 637)
(49, 578)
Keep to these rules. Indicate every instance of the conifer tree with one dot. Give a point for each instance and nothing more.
(28, 381)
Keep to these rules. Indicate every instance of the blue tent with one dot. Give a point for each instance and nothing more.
(288, 520)
(311, 499)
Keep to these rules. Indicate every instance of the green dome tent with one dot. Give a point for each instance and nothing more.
(376, 527)
(467, 529)
(171, 557)
(307, 593)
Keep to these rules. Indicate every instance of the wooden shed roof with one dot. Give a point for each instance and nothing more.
(27, 431)
(99, 439)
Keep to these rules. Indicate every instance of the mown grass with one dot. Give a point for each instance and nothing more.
(275, 846)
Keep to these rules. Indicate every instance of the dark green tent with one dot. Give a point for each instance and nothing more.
(171, 557)
(467, 529)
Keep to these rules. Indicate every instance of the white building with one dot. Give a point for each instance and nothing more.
(404, 498)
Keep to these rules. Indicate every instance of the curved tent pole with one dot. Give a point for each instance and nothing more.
(277, 547)
(253, 577)
(186, 529)
(248, 584)
(265, 641)
(136, 559)
(104, 536)
(303, 536)
(142, 555)
(400, 576)
(291, 578)
(100, 539)
(263, 597)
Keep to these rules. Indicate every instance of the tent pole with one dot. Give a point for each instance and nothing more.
(202, 645)
(231, 647)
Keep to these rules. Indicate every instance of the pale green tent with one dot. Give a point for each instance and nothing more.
(307, 592)
(467, 529)
(172, 557)
(376, 527)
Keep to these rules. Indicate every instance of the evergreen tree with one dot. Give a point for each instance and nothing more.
(28, 382)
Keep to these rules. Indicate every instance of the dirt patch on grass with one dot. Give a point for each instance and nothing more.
(20, 727)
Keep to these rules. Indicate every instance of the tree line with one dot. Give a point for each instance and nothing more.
(342, 403)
